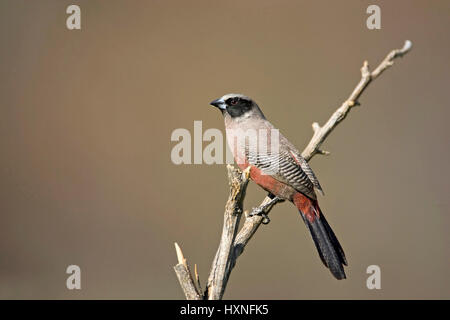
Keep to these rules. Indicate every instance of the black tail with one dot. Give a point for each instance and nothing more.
(328, 246)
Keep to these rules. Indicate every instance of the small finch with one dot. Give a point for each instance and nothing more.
(283, 173)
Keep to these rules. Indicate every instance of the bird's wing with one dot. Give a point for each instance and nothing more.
(307, 169)
(286, 166)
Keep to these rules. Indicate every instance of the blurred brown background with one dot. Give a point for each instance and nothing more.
(86, 118)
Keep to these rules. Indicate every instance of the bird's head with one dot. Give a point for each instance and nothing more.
(237, 106)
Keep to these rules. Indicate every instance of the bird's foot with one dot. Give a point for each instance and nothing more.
(261, 210)
(256, 212)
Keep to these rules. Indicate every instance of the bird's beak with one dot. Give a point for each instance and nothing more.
(218, 103)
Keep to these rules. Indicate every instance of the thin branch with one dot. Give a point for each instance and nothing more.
(233, 243)
(251, 225)
(321, 133)
(197, 279)
(184, 276)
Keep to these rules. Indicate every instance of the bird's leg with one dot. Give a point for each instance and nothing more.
(261, 210)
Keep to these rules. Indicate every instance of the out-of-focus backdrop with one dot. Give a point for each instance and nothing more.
(86, 118)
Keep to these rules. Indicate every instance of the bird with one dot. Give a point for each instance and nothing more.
(279, 170)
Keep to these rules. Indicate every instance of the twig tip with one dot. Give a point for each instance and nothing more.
(323, 152)
(407, 46)
(180, 257)
(315, 126)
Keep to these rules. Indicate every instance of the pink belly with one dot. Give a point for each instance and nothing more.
(268, 183)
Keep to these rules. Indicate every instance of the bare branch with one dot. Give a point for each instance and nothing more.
(197, 278)
(389, 60)
(321, 133)
(184, 277)
(221, 267)
(251, 224)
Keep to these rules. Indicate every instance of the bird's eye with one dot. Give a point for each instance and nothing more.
(234, 102)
